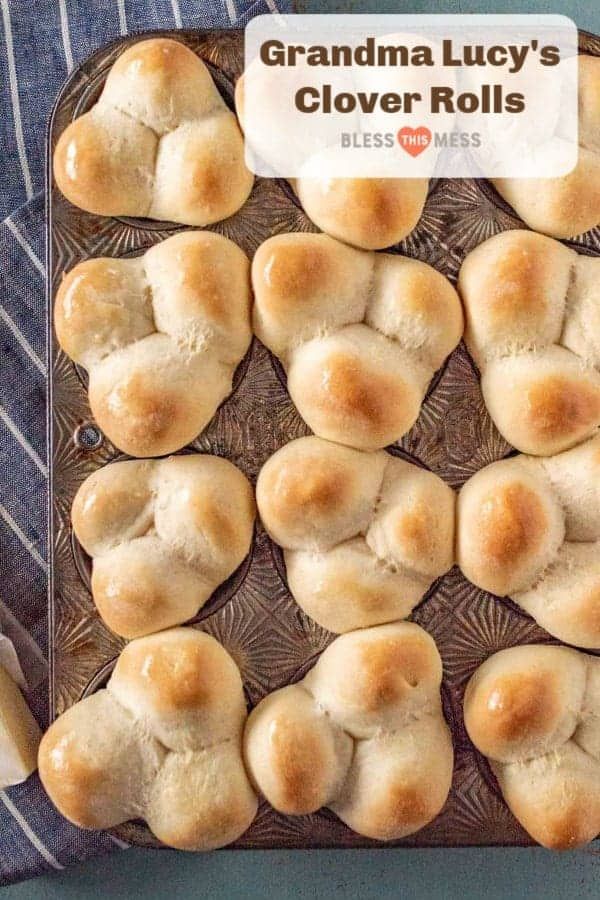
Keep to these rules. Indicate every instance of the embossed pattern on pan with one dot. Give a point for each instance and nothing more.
(252, 614)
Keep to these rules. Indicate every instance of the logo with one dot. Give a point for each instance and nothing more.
(414, 140)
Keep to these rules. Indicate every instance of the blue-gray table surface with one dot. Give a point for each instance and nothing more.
(472, 873)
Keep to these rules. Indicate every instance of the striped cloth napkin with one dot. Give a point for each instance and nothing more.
(41, 42)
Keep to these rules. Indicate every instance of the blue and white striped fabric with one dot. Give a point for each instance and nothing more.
(41, 42)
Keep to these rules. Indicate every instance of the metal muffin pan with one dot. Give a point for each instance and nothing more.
(252, 614)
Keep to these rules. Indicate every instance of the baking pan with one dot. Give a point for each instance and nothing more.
(252, 613)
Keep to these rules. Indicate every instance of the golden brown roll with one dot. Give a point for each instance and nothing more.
(532, 325)
(570, 205)
(163, 535)
(363, 733)
(369, 213)
(160, 336)
(162, 742)
(534, 711)
(359, 334)
(364, 534)
(529, 528)
(19, 734)
(159, 143)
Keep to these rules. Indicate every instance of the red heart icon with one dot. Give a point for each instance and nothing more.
(414, 140)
